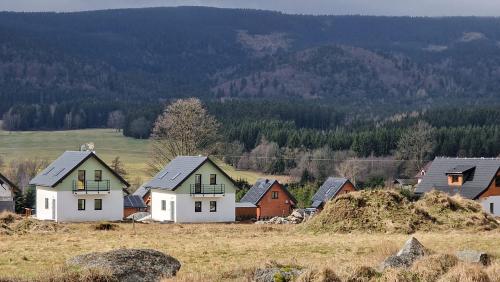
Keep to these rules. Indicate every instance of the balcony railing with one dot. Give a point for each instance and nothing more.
(207, 189)
(91, 186)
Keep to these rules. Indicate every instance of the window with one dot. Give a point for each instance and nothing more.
(497, 182)
(492, 208)
(98, 204)
(46, 203)
(163, 205)
(197, 206)
(81, 204)
(454, 179)
(274, 195)
(213, 179)
(98, 175)
(213, 206)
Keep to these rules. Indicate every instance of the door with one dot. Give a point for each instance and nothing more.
(172, 210)
(53, 209)
(197, 184)
(81, 180)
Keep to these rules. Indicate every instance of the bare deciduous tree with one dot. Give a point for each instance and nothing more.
(349, 169)
(118, 167)
(116, 120)
(22, 171)
(416, 145)
(184, 128)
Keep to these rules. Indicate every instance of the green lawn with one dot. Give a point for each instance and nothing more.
(108, 144)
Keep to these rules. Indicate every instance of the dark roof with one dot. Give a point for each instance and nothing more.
(328, 190)
(178, 170)
(405, 181)
(259, 189)
(316, 204)
(474, 185)
(4, 179)
(141, 191)
(59, 169)
(460, 169)
(133, 201)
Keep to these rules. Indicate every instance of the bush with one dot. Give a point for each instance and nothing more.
(106, 226)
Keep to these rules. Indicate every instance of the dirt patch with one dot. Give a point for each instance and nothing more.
(21, 226)
(388, 211)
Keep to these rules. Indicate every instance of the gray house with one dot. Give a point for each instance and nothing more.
(7, 191)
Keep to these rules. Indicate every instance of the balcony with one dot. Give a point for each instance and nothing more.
(207, 190)
(91, 187)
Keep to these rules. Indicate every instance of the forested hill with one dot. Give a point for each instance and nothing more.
(112, 59)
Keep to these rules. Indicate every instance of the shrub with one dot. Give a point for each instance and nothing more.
(106, 226)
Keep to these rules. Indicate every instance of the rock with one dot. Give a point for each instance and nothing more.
(298, 214)
(412, 247)
(411, 251)
(471, 256)
(130, 265)
(272, 274)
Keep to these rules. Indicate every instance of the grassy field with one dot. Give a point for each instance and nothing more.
(214, 252)
(108, 144)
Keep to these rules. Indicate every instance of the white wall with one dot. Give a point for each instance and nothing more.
(485, 202)
(156, 212)
(41, 193)
(67, 207)
(184, 207)
(226, 209)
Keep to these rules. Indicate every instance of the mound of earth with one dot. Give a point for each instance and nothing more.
(390, 212)
(456, 212)
(19, 225)
(134, 265)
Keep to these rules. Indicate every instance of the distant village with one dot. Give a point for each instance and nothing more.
(80, 187)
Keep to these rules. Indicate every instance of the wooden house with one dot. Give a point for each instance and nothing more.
(270, 199)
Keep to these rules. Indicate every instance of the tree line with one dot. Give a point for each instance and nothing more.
(465, 132)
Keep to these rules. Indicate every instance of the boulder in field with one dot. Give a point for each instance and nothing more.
(130, 265)
(276, 272)
(470, 256)
(411, 251)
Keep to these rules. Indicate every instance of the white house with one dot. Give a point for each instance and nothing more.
(7, 190)
(79, 186)
(192, 189)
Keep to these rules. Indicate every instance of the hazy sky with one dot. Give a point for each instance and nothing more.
(365, 7)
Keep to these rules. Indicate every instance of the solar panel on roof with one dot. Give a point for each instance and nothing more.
(163, 175)
(57, 173)
(48, 171)
(175, 176)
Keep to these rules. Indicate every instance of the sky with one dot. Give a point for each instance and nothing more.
(333, 7)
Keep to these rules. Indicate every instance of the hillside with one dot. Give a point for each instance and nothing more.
(109, 144)
(146, 55)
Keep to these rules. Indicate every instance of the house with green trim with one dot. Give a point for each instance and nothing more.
(79, 186)
(192, 189)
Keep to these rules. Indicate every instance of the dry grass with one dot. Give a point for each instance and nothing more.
(214, 252)
(389, 212)
(466, 273)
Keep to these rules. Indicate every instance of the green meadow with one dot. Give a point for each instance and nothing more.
(108, 145)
